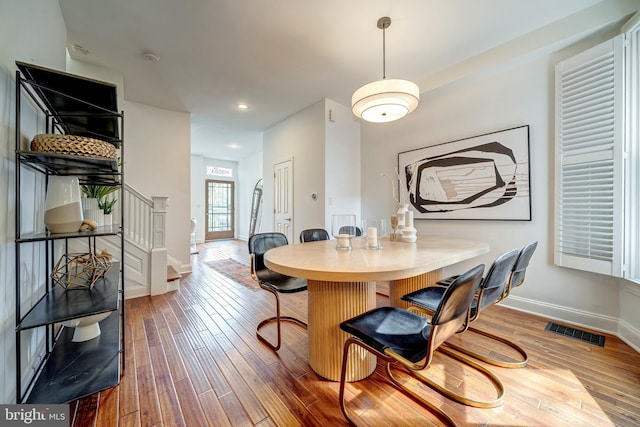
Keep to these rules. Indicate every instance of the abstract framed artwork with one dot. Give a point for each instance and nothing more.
(482, 177)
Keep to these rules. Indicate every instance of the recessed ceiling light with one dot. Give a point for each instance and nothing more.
(151, 57)
(233, 146)
(243, 106)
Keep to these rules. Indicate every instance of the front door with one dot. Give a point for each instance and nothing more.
(283, 203)
(219, 210)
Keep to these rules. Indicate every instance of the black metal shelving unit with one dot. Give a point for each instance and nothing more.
(70, 370)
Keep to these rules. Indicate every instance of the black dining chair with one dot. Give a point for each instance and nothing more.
(491, 292)
(351, 230)
(273, 282)
(520, 268)
(402, 338)
(313, 235)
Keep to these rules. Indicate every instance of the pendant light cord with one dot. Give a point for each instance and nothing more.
(384, 53)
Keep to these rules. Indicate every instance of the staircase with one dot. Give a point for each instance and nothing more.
(172, 274)
(147, 271)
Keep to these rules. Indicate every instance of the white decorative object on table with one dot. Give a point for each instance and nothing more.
(403, 207)
(343, 228)
(409, 231)
(375, 229)
(402, 210)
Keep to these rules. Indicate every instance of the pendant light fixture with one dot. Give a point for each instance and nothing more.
(385, 100)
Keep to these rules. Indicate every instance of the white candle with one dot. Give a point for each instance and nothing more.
(372, 236)
(343, 240)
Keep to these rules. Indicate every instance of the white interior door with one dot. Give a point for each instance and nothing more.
(283, 203)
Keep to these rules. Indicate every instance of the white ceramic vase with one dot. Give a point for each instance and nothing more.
(63, 211)
(91, 209)
(409, 231)
(402, 210)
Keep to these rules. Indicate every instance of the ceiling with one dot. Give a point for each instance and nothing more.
(280, 56)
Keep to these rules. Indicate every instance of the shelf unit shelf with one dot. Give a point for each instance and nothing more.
(77, 369)
(42, 236)
(69, 370)
(94, 170)
(62, 304)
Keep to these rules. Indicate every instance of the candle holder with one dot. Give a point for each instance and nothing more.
(374, 229)
(343, 228)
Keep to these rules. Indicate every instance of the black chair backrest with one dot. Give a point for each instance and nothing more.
(351, 230)
(313, 235)
(520, 268)
(496, 280)
(453, 310)
(261, 243)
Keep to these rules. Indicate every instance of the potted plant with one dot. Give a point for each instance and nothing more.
(97, 205)
(107, 209)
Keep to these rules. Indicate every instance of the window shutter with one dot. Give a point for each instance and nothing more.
(589, 160)
(632, 178)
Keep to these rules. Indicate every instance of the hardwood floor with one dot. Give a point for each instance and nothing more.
(192, 359)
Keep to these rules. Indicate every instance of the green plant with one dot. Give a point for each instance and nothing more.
(107, 205)
(97, 191)
(100, 192)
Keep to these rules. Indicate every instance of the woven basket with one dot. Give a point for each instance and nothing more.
(73, 145)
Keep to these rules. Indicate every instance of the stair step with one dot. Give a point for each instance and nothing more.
(172, 274)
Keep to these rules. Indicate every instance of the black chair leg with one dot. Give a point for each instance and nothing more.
(276, 319)
(439, 413)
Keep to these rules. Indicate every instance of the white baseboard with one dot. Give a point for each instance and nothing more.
(180, 267)
(575, 317)
(135, 293)
(598, 322)
(630, 335)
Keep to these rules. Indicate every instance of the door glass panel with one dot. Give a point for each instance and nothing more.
(219, 197)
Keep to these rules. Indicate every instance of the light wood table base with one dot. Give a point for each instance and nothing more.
(398, 288)
(329, 304)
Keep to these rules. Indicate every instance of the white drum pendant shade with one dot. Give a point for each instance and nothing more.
(385, 100)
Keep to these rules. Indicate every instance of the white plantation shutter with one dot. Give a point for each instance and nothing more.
(589, 160)
(632, 178)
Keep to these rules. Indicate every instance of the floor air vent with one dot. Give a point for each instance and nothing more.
(575, 333)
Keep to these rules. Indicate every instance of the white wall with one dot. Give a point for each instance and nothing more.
(300, 137)
(197, 195)
(157, 145)
(342, 163)
(510, 97)
(30, 31)
(199, 177)
(158, 162)
(249, 172)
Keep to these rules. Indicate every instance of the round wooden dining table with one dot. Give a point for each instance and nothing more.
(342, 284)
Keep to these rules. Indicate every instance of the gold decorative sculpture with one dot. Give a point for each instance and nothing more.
(81, 270)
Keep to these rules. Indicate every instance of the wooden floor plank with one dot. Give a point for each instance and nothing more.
(213, 410)
(193, 359)
(108, 411)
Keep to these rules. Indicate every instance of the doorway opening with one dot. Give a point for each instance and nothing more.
(219, 210)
